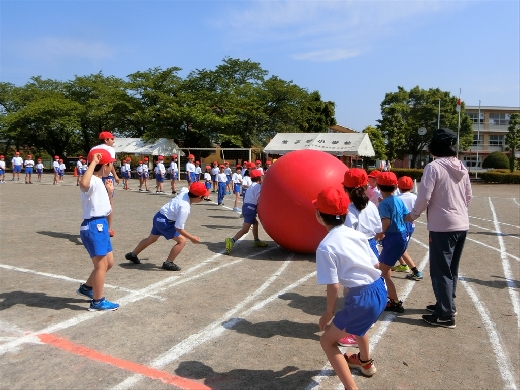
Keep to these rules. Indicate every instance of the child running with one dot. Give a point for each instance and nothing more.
(405, 184)
(249, 213)
(392, 212)
(169, 222)
(94, 234)
(344, 258)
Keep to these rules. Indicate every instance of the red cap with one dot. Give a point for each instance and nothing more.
(2, 156)
(80, 157)
(161, 157)
(60, 160)
(174, 156)
(208, 166)
(332, 201)
(258, 162)
(197, 162)
(355, 177)
(105, 156)
(56, 157)
(251, 165)
(191, 156)
(226, 162)
(215, 162)
(387, 179)
(238, 166)
(39, 159)
(199, 188)
(84, 161)
(105, 135)
(221, 166)
(269, 162)
(140, 161)
(405, 183)
(17, 153)
(146, 159)
(374, 174)
(255, 173)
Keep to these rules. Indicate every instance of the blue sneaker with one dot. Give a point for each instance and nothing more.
(85, 291)
(103, 304)
(415, 275)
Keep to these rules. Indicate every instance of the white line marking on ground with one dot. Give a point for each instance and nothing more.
(493, 231)
(514, 200)
(501, 223)
(502, 360)
(511, 285)
(130, 298)
(66, 278)
(385, 320)
(216, 328)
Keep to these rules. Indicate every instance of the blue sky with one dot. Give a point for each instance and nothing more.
(352, 52)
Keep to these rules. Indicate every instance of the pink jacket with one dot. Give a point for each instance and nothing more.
(445, 192)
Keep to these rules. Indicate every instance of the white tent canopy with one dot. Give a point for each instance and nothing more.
(347, 144)
(159, 147)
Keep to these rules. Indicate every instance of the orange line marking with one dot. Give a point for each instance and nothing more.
(136, 368)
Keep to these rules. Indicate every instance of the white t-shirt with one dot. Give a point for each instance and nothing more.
(95, 201)
(344, 256)
(139, 168)
(215, 171)
(39, 166)
(2, 164)
(207, 176)
(28, 163)
(227, 171)
(161, 169)
(173, 167)
(366, 221)
(198, 171)
(408, 199)
(17, 160)
(222, 178)
(56, 164)
(246, 182)
(79, 164)
(178, 209)
(236, 178)
(190, 167)
(373, 194)
(253, 193)
(123, 168)
(111, 149)
(63, 167)
(260, 169)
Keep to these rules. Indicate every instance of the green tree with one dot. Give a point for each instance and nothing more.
(378, 142)
(513, 139)
(496, 160)
(404, 112)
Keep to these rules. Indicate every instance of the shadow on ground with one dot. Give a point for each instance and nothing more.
(74, 238)
(42, 300)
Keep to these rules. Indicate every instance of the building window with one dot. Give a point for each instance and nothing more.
(496, 119)
(474, 117)
(477, 140)
(496, 140)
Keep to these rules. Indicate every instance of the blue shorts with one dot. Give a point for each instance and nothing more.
(174, 176)
(159, 178)
(56, 171)
(228, 179)
(363, 306)
(105, 178)
(17, 169)
(373, 245)
(164, 227)
(95, 237)
(208, 185)
(214, 178)
(191, 177)
(249, 213)
(2, 172)
(28, 170)
(40, 171)
(61, 173)
(394, 245)
(410, 228)
(236, 188)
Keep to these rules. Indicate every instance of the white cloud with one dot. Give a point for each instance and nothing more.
(334, 30)
(51, 49)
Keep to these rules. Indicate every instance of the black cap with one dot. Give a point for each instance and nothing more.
(444, 136)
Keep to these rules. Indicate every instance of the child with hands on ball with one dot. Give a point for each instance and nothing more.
(344, 258)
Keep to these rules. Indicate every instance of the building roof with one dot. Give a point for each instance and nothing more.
(348, 144)
(496, 108)
(161, 146)
(342, 129)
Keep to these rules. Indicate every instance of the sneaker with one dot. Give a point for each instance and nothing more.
(133, 258)
(111, 233)
(367, 368)
(229, 245)
(436, 321)
(103, 305)
(236, 209)
(415, 276)
(401, 268)
(394, 306)
(349, 341)
(432, 308)
(168, 265)
(259, 244)
(85, 291)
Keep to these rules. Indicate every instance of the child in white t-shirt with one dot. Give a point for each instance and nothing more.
(174, 173)
(228, 172)
(198, 170)
(221, 181)
(56, 169)
(344, 258)
(62, 169)
(236, 180)
(2, 169)
(215, 170)
(39, 170)
(372, 191)
(145, 174)
(29, 166)
(207, 181)
(94, 231)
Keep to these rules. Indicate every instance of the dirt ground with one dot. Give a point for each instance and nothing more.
(245, 321)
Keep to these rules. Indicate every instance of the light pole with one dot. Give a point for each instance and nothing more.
(478, 139)
(421, 132)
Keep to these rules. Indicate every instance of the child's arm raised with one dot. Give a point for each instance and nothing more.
(84, 183)
(332, 295)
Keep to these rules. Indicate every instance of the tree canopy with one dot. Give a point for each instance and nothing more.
(237, 104)
(513, 139)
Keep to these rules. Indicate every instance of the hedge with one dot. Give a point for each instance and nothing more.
(502, 178)
(497, 160)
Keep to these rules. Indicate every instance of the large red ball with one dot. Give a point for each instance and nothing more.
(285, 205)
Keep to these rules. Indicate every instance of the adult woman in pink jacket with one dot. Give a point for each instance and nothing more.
(445, 194)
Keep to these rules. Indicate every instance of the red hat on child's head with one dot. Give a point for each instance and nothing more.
(387, 179)
(208, 166)
(56, 157)
(198, 188)
(105, 135)
(374, 174)
(128, 159)
(145, 158)
(269, 162)
(80, 157)
(140, 161)
(255, 173)
(197, 162)
(60, 160)
(405, 183)
(1, 156)
(190, 156)
(238, 166)
(105, 156)
(258, 162)
(161, 157)
(221, 166)
(226, 162)
(215, 162)
(332, 201)
(251, 165)
(355, 177)
(39, 159)
(174, 156)
(17, 153)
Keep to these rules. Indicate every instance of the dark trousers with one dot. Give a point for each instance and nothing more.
(445, 253)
